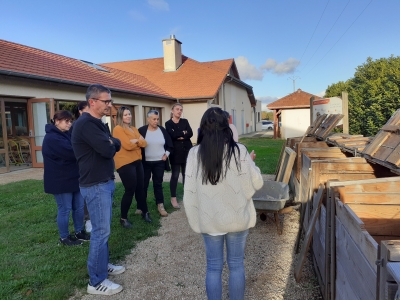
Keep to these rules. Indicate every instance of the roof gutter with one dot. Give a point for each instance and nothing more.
(70, 82)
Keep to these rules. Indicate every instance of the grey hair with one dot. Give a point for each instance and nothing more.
(152, 112)
(95, 90)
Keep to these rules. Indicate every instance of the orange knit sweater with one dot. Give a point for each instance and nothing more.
(129, 152)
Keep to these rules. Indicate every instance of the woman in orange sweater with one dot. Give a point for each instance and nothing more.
(128, 162)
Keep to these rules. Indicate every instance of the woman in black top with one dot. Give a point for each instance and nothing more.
(180, 132)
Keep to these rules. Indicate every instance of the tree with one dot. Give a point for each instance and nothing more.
(374, 94)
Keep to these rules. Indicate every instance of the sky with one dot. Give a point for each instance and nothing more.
(278, 45)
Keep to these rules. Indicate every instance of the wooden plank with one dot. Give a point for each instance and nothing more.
(356, 228)
(386, 187)
(319, 243)
(390, 252)
(394, 157)
(362, 277)
(286, 165)
(380, 238)
(343, 289)
(304, 195)
(379, 219)
(308, 236)
(298, 148)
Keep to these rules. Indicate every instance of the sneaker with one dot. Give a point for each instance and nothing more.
(88, 226)
(106, 287)
(115, 270)
(161, 210)
(68, 241)
(82, 236)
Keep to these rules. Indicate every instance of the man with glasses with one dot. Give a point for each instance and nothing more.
(94, 148)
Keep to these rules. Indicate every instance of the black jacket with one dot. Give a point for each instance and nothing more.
(181, 147)
(168, 146)
(93, 150)
(61, 173)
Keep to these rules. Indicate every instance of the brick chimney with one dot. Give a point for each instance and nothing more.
(172, 54)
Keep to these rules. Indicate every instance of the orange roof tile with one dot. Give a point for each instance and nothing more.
(20, 60)
(193, 79)
(297, 99)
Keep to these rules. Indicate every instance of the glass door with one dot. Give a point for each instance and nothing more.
(4, 162)
(39, 113)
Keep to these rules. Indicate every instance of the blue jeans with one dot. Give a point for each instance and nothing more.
(154, 169)
(235, 246)
(66, 203)
(99, 200)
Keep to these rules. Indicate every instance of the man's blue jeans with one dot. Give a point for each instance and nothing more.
(99, 200)
(66, 203)
(235, 246)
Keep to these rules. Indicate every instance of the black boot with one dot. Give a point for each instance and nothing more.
(146, 217)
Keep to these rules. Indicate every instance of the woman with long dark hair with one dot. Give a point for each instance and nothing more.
(221, 178)
(181, 132)
(128, 163)
(61, 177)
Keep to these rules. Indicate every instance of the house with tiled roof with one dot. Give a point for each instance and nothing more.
(35, 83)
(291, 114)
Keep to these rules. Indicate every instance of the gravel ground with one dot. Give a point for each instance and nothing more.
(172, 264)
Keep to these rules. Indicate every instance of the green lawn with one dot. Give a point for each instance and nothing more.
(267, 152)
(34, 266)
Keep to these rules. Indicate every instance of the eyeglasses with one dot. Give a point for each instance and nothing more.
(106, 102)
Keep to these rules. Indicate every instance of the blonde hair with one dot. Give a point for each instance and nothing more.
(120, 115)
(173, 106)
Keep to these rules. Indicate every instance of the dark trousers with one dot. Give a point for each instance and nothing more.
(176, 168)
(154, 169)
(132, 178)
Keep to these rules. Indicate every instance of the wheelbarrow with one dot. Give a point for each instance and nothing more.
(271, 198)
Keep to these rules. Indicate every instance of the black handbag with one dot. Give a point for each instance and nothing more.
(167, 165)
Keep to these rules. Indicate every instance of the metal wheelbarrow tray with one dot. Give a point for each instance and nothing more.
(271, 198)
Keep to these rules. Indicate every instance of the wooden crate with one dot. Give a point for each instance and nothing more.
(298, 147)
(363, 212)
(354, 144)
(318, 168)
(385, 147)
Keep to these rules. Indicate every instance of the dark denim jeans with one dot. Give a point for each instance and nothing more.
(99, 200)
(66, 203)
(235, 246)
(155, 170)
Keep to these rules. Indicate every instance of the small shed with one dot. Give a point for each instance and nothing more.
(291, 114)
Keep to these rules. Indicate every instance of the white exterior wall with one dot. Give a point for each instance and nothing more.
(193, 112)
(294, 122)
(23, 89)
(236, 99)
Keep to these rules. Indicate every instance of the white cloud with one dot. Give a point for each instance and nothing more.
(321, 94)
(137, 15)
(286, 67)
(247, 70)
(159, 4)
(265, 100)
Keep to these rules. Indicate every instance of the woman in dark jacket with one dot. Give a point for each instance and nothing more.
(155, 157)
(61, 175)
(180, 132)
